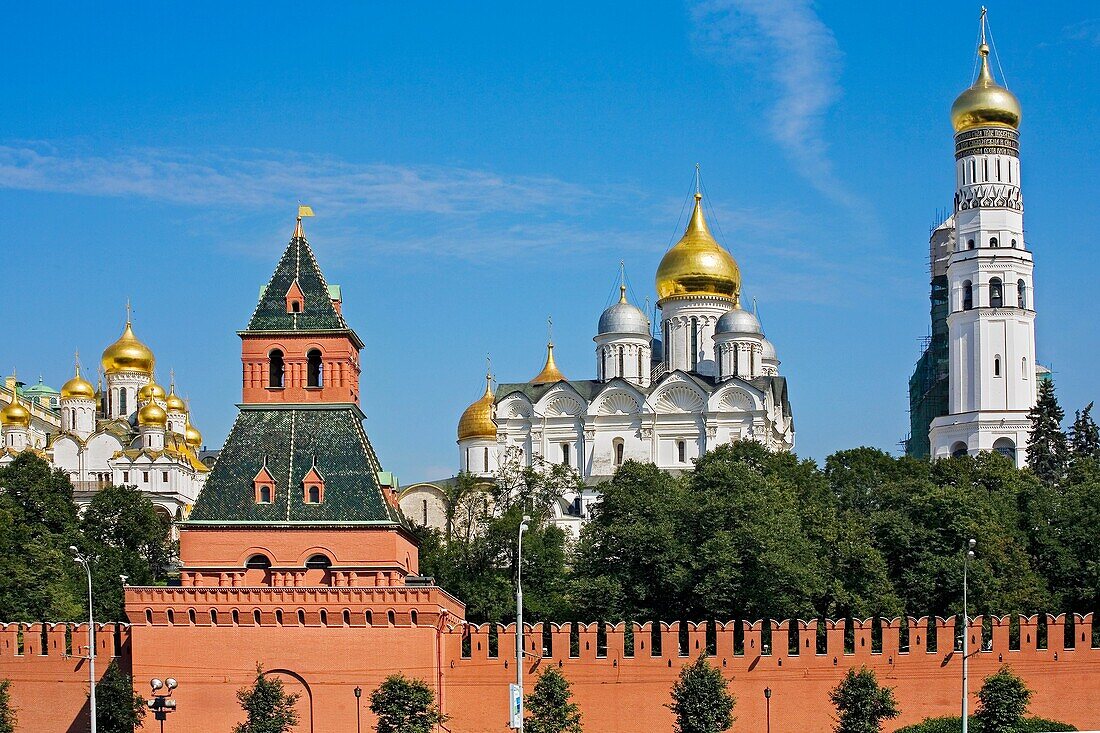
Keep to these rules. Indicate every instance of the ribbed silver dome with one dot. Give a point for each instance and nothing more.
(623, 317)
(767, 351)
(738, 321)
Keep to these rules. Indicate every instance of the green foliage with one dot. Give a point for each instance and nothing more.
(755, 534)
(1085, 437)
(1002, 702)
(7, 713)
(404, 705)
(550, 705)
(268, 707)
(701, 701)
(120, 532)
(861, 703)
(954, 725)
(1047, 449)
(118, 708)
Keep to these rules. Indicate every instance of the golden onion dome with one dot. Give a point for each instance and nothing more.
(986, 103)
(77, 388)
(152, 416)
(192, 436)
(14, 415)
(151, 391)
(550, 372)
(477, 419)
(175, 403)
(697, 264)
(128, 355)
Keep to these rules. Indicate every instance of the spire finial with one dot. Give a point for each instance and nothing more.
(698, 184)
(981, 20)
(622, 281)
(550, 331)
(129, 311)
(76, 361)
(303, 210)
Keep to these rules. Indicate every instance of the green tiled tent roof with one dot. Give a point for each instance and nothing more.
(292, 439)
(318, 312)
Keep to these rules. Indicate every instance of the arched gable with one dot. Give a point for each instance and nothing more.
(619, 398)
(561, 401)
(736, 397)
(678, 394)
(514, 406)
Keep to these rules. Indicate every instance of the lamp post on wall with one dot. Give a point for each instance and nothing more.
(768, 703)
(83, 560)
(518, 723)
(161, 704)
(358, 694)
(966, 636)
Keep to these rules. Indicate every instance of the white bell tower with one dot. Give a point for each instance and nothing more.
(991, 325)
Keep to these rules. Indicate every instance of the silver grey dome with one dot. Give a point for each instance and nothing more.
(623, 317)
(738, 320)
(767, 351)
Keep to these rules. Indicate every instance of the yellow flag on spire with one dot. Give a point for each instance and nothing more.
(305, 210)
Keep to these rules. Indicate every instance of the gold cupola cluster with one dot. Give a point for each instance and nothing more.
(477, 419)
(697, 264)
(128, 355)
(152, 415)
(986, 103)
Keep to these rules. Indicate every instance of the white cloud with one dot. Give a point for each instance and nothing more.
(785, 41)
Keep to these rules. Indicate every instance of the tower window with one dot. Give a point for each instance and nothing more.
(485, 457)
(1005, 447)
(639, 363)
(565, 454)
(1013, 244)
(313, 494)
(622, 365)
(997, 366)
(265, 495)
(958, 450)
(276, 369)
(970, 244)
(968, 295)
(996, 293)
(315, 376)
(122, 402)
(1021, 293)
(1023, 367)
(603, 363)
(681, 451)
(993, 242)
(620, 449)
(424, 509)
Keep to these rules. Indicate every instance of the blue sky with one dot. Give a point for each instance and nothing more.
(476, 167)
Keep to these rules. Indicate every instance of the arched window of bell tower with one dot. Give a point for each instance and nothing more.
(276, 369)
(970, 244)
(622, 364)
(1021, 294)
(315, 376)
(694, 360)
(993, 242)
(122, 406)
(967, 295)
(996, 293)
(997, 366)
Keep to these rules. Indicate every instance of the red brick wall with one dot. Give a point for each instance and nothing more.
(616, 693)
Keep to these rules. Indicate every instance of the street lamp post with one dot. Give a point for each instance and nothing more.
(161, 704)
(519, 619)
(91, 637)
(768, 703)
(966, 637)
(358, 694)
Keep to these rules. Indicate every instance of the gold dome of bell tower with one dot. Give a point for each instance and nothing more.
(697, 264)
(986, 103)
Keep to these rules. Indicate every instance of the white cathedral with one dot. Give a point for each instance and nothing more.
(992, 371)
(711, 377)
(130, 433)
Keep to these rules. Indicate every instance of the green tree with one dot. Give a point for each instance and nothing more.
(1085, 437)
(7, 713)
(118, 708)
(38, 522)
(1002, 702)
(861, 703)
(268, 707)
(1047, 449)
(124, 535)
(701, 701)
(404, 705)
(550, 705)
